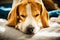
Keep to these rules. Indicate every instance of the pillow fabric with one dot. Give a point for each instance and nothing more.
(54, 13)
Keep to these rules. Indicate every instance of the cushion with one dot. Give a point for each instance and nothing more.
(10, 33)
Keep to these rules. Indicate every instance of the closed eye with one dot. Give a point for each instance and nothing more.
(23, 16)
(36, 15)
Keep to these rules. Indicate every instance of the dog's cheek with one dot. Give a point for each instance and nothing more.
(19, 26)
(38, 25)
(38, 21)
(36, 29)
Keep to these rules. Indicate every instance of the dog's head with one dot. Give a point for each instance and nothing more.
(28, 16)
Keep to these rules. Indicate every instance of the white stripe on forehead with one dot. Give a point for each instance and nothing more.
(28, 9)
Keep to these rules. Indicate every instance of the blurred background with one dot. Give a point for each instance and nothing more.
(6, 5)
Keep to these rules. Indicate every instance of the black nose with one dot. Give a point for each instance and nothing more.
(30, 30)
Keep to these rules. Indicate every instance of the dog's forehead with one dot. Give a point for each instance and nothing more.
(25, 10)
(30, 8)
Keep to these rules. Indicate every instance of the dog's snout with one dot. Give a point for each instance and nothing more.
(30, 29)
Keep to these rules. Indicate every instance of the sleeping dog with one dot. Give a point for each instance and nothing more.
(29, 16)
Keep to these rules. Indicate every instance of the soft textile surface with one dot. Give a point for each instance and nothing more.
(54, 13)
(10, 33)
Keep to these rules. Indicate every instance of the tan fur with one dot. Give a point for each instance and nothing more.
(36, 8)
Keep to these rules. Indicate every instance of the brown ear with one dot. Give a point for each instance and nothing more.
(12, 17)
(44, 16)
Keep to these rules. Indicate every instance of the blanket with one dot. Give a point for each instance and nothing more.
(51, 33)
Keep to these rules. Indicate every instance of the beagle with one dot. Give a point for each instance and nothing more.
(29, 16)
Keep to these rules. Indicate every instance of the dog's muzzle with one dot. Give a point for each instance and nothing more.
(29, 29)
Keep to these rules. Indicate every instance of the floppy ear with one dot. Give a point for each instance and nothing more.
(12, 17)
(45, 18)
(44, 15)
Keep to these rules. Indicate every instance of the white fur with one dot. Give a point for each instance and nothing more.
(29, 21)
